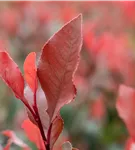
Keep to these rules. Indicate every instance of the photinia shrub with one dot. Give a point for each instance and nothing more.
(48, 84)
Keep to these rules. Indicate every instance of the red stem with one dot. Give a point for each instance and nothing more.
(49, 135)
(39, 121)
(36, 116)
(28, 106)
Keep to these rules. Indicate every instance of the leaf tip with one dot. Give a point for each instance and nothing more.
(79, 17)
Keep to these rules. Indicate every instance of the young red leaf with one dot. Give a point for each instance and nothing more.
(41, 106)
(57, 65)
(30, 71)
(14, 139)
(126, 108)
(34, 94)
(11, 74)
(33, 134)
(56, 129)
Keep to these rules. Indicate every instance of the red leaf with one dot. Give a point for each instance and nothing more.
(35, 97)
(41, 105)
(30, 71)
(14, 139)
(57, 65)
(57, 127)
(11, 74)
(33, 133)
(126, 107)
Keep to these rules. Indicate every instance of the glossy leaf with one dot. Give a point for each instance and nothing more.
(41, 105)
(11, 74)
(33, 93)
(30, 71)
(33, 133)
(57, 65)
